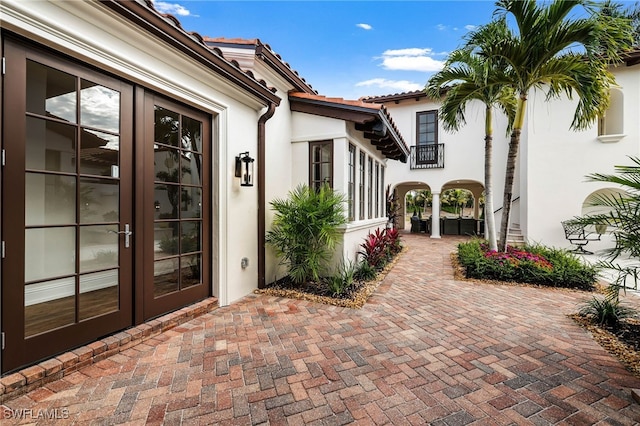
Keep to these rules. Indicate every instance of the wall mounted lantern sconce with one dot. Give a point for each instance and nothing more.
(244, 169)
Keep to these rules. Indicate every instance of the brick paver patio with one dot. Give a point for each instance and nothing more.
(426, 349)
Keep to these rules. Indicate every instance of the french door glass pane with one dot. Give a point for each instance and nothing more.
(98, 247)
(191, 134)
(98, 294)
(166, 201)
(44, 298)
(165, 276)
(49, 252)
(166, 239)
(167, 163)
(99, 200)
(191, 168)
(99, 107)
(50, 92)
(190, 273)
(50, 146)
(99, 153)
(166, 126)
(191, 237)
(49, 199)
(191, 202)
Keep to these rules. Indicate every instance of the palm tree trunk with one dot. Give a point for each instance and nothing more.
(514, 144)
(489, 218)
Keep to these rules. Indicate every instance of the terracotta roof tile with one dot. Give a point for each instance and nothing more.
(395, 97)
(357, 103)
(260, 48)
(175, 22)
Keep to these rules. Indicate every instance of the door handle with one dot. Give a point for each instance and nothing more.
(127, 234)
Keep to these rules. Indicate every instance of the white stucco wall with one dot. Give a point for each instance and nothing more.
(558, 159)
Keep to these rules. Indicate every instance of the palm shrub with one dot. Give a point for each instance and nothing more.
(305, 230)
(623, 215)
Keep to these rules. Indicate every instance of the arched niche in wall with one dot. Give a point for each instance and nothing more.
(595, 203)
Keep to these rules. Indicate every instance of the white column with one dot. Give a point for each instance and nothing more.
(435, 215)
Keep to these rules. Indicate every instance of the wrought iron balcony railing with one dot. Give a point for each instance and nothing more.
(427, 156)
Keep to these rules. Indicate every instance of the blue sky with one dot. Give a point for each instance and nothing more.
(344, 48)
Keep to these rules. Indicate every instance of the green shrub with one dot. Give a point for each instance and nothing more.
(533, 264)
(305, 230)
(606, 311)
(365, 272)
(344, 278)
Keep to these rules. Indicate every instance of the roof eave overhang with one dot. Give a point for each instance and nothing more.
(155, 24)
(631, 58)
(373, 122)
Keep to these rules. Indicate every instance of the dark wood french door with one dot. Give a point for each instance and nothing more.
(66, 207)
(174, 208)
(105, 185)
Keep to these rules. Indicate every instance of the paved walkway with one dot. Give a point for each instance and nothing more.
(425, 350)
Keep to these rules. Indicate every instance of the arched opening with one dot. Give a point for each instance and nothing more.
(461, 206)
(413, 197)
(593, 205)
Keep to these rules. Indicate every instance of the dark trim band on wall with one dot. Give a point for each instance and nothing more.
(262, 208)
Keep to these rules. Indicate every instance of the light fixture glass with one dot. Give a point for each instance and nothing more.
(244, 169)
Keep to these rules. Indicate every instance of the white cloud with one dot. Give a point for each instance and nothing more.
(364, 26)
(395, 85)
(441, 27)
(411, 59)
(171, 8)
(470, 27)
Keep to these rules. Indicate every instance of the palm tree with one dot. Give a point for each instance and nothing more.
(468, 77)
(550, 50)
(456, 198)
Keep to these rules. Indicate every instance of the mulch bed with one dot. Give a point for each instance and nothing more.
(355, 298)
(622, 342)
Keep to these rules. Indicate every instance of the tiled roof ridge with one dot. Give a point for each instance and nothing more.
(356, 103)
(409, 94)
(258, 43)
(201, 40)
(336, 100)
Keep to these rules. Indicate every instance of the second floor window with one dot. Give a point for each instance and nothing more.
(427, 137)
(320, 164)
(427, 128)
